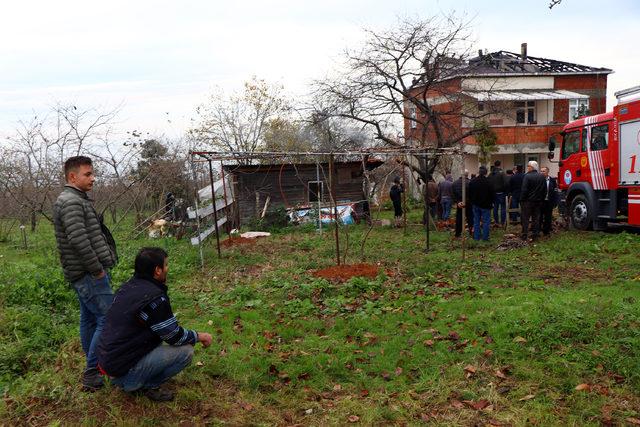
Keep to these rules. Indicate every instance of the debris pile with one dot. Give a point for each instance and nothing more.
(511, 241)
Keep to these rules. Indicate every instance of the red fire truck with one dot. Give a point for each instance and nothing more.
(599, 176)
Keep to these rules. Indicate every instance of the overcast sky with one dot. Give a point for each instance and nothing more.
(159, 59)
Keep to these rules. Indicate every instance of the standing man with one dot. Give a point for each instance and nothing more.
(446, 196)
(457, 198)
(395, 194)
(87, 252)
(531, 199)
(515, 188)
(432, 195)
(131, 348)
(498, 181)
(481, 195)
(550, 201)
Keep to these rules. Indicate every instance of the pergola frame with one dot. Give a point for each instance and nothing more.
(222, 156)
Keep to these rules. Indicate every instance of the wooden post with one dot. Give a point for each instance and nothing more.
(335, 207)
(195, 188)
(215, 212)
(426, 201)
(24, 236)
(404, 198)
(319, 196)
(464, 209)
(226, 205)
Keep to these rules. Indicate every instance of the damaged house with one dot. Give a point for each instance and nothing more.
(263, 188)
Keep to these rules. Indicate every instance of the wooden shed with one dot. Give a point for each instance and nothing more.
(295, 186)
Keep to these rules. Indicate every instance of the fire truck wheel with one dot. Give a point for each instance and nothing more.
(581, 215)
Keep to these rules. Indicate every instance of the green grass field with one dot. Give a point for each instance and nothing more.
(543, 335)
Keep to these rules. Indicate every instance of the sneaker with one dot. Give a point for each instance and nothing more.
(91, 380)
(159, 394)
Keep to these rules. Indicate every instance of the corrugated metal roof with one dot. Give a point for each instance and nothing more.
(523, 95)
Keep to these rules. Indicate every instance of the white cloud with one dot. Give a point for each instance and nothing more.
(163, 56)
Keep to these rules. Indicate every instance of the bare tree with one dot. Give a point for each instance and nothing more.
(238, 122)
(553, 3)
(32, 163)
(407, 74)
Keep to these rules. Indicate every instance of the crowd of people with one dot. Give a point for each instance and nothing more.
(531, 196)
(528, 198)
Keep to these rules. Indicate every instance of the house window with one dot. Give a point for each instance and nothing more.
(412, 117)
(480, 106)
(526, 112)
(315, 191)
(599, 137)
(524, 159)
(578, 108)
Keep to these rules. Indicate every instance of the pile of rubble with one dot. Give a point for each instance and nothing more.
(511, 241)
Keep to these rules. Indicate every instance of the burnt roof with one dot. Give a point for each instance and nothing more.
(263, 167)
(504, 62)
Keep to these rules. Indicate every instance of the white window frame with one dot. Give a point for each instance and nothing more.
(413, 115)
(574, 105)
(528, 106)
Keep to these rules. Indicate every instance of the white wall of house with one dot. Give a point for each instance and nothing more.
(508, 83)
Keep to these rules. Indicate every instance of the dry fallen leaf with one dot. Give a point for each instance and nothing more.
(583, 387)
(428, 343)
(479, 405)
(527, 397)
(520, 339)
(457, 404)
(198, 363)
(354, 418)
(470, 370)
(337, 387)
(634, 421)
(500, 375)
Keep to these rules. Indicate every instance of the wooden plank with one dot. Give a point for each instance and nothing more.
(208, 210)
(206, 233)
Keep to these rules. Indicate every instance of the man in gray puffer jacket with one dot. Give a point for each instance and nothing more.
(87, 252)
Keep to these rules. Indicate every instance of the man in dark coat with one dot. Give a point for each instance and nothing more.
(456, 190)
(550, 201)
(499, 182)
(515, 188)
(481, 196)
(395, 194)
(534, 188)
(131, 348)
(446, 197)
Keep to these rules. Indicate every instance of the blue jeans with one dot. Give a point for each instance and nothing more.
(446, 208)
(515, 202)
(484, 215)
(500, 202)
(95, 297)
(156, 368)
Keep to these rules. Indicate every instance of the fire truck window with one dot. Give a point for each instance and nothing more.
(571, 143)
(599, 137)
(584, 140)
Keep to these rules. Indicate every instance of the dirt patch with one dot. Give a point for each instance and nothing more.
(236, 241)
(345, 272)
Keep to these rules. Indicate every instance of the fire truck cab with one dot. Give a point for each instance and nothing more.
(599, 166)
